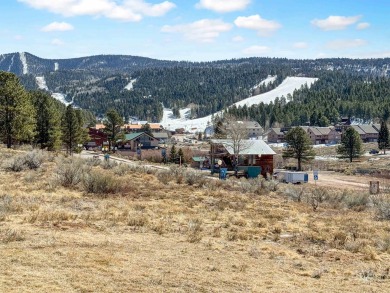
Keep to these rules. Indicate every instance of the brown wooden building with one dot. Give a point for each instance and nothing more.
(253, 153)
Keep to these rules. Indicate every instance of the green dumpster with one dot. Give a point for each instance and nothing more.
(254, 171)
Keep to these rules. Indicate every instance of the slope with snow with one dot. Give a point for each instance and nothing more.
(129, 86)
(195, 125)
(269, 79)
(41, 82)
(23, 59)
(61, 97)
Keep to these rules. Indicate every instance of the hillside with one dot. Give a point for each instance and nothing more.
(170, 231)
(139, 86)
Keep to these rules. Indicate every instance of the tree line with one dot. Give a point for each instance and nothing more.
(34, 117)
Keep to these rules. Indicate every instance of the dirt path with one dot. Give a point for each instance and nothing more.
(337, 180)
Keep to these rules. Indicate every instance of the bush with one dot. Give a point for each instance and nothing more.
(101, 183)
(192, 178)
(164, 176)
(381, 205)
(31, 160)
(70, 171)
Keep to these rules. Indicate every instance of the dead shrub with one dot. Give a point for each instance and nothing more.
(164, 176)
(194, 230)
(137, 220)
(31, 160)
(10, 235)
(192, 178)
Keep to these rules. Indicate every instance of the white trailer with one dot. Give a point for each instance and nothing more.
(296, 177)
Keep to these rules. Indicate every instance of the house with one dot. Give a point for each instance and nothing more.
(142, 140)
(372, 134)
(319, 135)
(137, 127)
(252, 128)
(254, 154)
(276, 135)
(163, 137)
(97, 138)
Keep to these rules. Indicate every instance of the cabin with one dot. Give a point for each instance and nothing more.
(97, 138)
(255, 157)
(138, 140)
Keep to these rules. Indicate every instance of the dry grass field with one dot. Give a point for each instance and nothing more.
(68, 225)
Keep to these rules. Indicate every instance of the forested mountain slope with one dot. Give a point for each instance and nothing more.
(97, 83)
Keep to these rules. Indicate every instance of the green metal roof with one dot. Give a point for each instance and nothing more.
(131, 136)
(198, 159)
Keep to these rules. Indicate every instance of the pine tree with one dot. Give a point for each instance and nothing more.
(71, 129)
(17, 114)
(172, 154)
(298, 146)
(351, 145)
(48, 123)
(113, 123)
(383, 138)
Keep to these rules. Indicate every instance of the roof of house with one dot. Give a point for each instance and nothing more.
(99, 126)
(368, 129)
(160, 135)
(277, 131)
(358, 129)
(249, 147)
(320, 130)
(139, 126)
(199, 159)
(132, 136)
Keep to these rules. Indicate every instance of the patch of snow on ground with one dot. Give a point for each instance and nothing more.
(41, 83)
(199, 125)
(56, 66)
(129, 87)
(12, 63)
(24, 62)
(269, 79)
(61, 97)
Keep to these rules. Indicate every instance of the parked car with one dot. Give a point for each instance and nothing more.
(373, 151)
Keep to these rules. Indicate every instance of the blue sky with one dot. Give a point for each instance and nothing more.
(197, 30)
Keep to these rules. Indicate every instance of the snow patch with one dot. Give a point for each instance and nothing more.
(269, 79)
(41, 82)
(23, 59)
(56, 66)
(62, 98)
(199, 125)
(12, 63)
(129, 87)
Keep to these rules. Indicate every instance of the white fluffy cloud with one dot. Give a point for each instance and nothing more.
(238, 39)
(223, 6)
(346, 44)
(204, 30)
(362, 25)
(333, 23)
(57, 27)
(125, 10)
(300, 45)
(256, 50)
(255, 22)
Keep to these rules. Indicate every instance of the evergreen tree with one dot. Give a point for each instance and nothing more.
(146, 128)
(71, 130)
(180, 154)
(298, 146)
(113, 123)
(383, 138)
(351, 145)
(48, 123)
(172, 154)
(17, 114)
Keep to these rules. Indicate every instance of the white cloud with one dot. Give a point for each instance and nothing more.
(204, 30)
(238, 39)
(57, 42)
(300, 45)
(256, 50)
(346, 44)
(362, 25)
(333, 23)
(18, 37)
(222, 6)
(57, 26)
(125, 10)
(255, 22)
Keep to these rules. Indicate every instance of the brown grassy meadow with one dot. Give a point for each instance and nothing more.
(155, 232)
